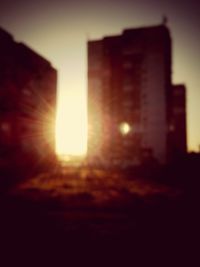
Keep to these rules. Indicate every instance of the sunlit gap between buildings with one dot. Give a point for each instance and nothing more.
(71, 124)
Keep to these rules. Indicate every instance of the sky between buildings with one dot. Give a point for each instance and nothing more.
(59, 31)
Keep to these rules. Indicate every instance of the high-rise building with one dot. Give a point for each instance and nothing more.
(130, 96)
(27, 104)
(178, 123)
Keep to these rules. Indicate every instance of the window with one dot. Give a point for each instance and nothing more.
(5, 127)
(26, 92)
(127, 65)
(127, 88)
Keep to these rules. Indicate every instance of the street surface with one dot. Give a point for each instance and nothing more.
(92, 217)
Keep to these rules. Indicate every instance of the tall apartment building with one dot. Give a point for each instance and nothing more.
(27, 104)
(178, 122)
(130, 96)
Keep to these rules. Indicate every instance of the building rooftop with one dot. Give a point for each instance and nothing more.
(145, 29)
(4, 35)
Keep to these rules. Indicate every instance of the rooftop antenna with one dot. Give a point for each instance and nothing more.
(164, 20)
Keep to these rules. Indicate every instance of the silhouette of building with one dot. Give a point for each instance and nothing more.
(130, 97)
(27, 104)
(178, 123)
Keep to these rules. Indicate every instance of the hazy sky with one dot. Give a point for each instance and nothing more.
(59, 30)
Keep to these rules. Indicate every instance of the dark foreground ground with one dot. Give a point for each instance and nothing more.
(83, 218)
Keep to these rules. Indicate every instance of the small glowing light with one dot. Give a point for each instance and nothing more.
(124, 128)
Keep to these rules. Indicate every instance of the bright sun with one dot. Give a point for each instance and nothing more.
(71, 124)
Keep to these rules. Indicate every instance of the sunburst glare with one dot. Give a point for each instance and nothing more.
(37, 125)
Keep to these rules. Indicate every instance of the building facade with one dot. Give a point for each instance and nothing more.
(178, 124)
(130, 96)
(27, 104)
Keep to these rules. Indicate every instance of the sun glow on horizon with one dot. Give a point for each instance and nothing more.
(71, 123)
